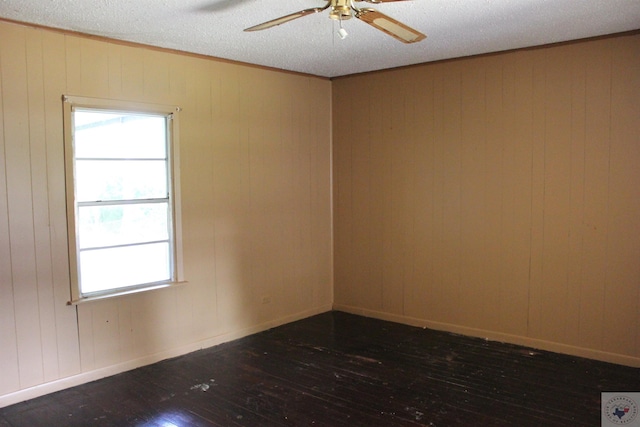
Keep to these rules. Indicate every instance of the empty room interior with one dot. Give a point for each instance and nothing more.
(491, 197)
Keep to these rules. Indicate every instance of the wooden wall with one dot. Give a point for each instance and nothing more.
(256, 207)
(497, 196)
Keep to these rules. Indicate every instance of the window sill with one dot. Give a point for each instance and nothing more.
(114, 294)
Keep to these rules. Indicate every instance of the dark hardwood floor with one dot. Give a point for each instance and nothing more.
(337, 369)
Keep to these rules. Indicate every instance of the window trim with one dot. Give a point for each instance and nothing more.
(172, 112)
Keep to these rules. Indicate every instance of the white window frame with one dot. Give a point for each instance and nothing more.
(70, 103)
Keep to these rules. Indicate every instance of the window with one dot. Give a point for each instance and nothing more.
(122, 205)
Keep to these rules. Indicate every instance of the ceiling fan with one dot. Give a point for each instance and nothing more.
(341, 10)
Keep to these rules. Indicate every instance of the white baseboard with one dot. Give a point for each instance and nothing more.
(85, 377)
(555, 347)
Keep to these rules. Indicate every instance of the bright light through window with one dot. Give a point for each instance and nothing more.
(123, 225)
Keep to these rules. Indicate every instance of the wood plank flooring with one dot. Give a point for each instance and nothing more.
(337, 369)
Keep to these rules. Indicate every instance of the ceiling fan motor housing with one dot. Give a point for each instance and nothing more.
(340, 10)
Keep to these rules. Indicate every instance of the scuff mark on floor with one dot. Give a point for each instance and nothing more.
(201, 387)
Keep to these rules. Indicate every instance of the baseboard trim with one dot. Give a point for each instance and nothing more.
(555, 347)
(85, 377)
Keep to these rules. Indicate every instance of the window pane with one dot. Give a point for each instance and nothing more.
(120, 180)
(122, 267)
(113, 225)
(119, 135)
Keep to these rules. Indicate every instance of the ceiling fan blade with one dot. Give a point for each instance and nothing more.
(286, 18)
(390, 26)
(221, 5)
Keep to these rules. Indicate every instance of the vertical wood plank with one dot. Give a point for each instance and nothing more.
(395, 142)
(73, 69)
(105, 332)
(297, 163)
(262, 137)
(511, 285)
(312, 163)
(473, 232)
(20, 208)
(126, 339)
(156, 76)
(85, 337)
(422, 302)
(39, 190)
(380, 295)
(153, 322)
(185, 321)
(441, 312)
(377, 189)
(9, 348)
(321, 227)
(132, 73)
(595, 233)
(94, 63)
(576, 195)
(452, 292)
(374, 245)
(200, 190)
(519, 175)
(54, 63)
(342, 209)
(406, 167)
(178, 79)
(557, 173)
(493, 219)
(114, 69)
(392, 199)
(536, 244)
(231, 192)
(366, 236)
(294, 183)
(195, 198)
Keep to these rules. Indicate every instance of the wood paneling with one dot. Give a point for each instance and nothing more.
(256, 204)
(9, 347)
(66, 322)
(622, 299)
(17, 152)
(40, 197)
(506, 199)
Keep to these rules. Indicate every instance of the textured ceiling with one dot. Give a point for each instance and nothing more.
(310, 44)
